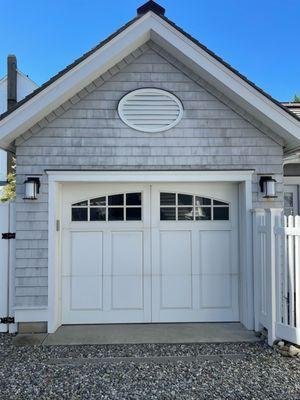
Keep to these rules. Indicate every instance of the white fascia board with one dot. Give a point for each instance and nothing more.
(229, 83)
(73, 81)
(150, 176)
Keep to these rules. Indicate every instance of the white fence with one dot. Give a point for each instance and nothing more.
(277, 274)
(7, 262)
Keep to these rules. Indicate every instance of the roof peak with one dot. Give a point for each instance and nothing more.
(150, 6)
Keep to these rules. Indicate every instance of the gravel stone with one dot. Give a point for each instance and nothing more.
(294, 351)
(237, 371)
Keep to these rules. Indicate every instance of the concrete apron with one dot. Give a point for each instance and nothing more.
(141, 333)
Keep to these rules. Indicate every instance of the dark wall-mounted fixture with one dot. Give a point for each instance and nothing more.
(32, 187)
(268, 187)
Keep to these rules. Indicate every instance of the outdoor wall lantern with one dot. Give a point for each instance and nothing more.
(268, 187)
(32, 188)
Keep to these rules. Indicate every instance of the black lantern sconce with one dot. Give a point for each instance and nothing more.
(32, 188)
(268, 187)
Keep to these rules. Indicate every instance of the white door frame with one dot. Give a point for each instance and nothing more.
(244, 178)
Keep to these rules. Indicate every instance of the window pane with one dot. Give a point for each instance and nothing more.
(116, 200)
(79, 214)
(185, 213)
(81, 203)
(99, 201)
(221, 213)
(185, 200)
(167, 199)
(167, 213)
(220, 203)
(116, 214)
(202, 201)
(133, 214)
(97, 214)
(202, 213)
(134, 199)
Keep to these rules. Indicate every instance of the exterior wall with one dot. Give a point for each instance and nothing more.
(86, 133)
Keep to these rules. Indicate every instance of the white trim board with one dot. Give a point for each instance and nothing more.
(31, 315)
(291, 180)
(149, 176)
(167, 36)
(245, 225)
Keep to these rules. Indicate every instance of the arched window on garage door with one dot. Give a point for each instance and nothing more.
(115, 207)
(189, 207)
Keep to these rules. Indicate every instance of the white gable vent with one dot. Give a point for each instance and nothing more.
(150, 110)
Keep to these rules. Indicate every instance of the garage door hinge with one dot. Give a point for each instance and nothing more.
(7, 320)
(8, 235)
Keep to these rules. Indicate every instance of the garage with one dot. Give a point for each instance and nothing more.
(142, 253)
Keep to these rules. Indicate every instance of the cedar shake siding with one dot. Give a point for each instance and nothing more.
(87, 133)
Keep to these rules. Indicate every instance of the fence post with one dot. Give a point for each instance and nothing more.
(273, 218)
(258, 216)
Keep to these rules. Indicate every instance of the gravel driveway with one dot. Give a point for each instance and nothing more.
(193, 371)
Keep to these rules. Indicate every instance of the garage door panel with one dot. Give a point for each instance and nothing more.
(89, 261)
(197, 252)
(175, 253)
(220, 296)
(215, 252)
(86, 293)
(176, 269)
(86, 282)
(176, 292)
(127, 292)
(127, 253)
(127, 270)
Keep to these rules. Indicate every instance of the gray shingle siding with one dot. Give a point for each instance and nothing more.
(86, 133)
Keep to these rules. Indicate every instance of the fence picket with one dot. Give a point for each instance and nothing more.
(291, 273)
(297, 271)
(284, 298)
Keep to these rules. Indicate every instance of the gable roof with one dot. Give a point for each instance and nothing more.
(150, 23)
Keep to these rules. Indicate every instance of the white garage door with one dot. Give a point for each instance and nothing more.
(149, 253)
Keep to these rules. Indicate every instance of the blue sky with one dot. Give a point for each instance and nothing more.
(257, 37)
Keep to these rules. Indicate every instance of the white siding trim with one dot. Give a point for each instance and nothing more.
(150, 176)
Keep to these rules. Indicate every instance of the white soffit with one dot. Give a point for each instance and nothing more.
(168, 37)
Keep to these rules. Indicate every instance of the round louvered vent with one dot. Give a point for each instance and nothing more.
(150, 110)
